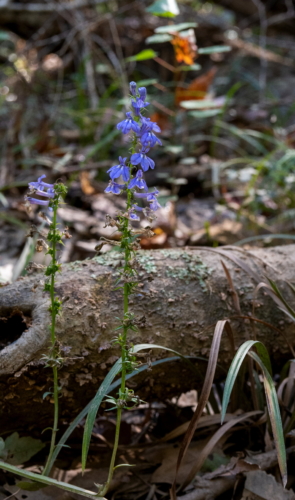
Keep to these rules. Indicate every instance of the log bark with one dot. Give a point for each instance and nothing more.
(184, 293)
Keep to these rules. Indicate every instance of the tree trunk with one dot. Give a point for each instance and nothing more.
(183, 293)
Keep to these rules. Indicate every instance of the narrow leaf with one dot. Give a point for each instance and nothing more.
(206, 113)
(159, 38)
(204, 396)
(275, 416)
(142, 56)
(235, 367)
(94, 406)
(102, 391)
(49, 481)
(214, 49)
(171, 28)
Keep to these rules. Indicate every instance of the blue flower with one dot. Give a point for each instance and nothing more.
(132, 87)
(142, 159)
(34, 201)
(148, 125)
(133, 216)
(114, 188)
(149, 139)
(47, 194)
(142, 93)
(140, 102)
(40, 185)
(40, 188)
(136, 207)
(154, 204)
(120, 170)
(145, 195)
(128, 124)
(138, 181)
(150, 198)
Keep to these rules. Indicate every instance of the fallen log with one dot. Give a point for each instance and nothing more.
(183, 293)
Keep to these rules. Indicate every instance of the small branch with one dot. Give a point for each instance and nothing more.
(47, 7)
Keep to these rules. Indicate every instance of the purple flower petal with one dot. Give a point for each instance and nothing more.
(132, 87)
(128, 124)
(114, 188)
(138, 181)
(34, 201)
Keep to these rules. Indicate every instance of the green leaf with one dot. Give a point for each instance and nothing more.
(164, 8)
(2, 444)
(206, 113)
(102, 391)
(19, 450)
(94, 406)
(198, 104)
(271, 397)
(192, 67)
(146, 82)
(214, 49)
(85, 410)
(274, 415)
(28, 486)
(49, 481)
(235, 367)
(161, 38)
(143, 55)
(4, 35)
(175, 27)
(46, 394)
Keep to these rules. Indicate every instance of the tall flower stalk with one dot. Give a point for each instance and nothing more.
(128, 176)
(53, 194)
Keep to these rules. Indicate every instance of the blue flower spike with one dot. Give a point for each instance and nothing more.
(144, 139)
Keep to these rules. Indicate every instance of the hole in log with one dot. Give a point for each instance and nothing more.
(12, 326)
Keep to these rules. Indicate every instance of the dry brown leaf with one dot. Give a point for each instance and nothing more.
(86, 186)
(213, 442)
(205, 393)
(197, 89)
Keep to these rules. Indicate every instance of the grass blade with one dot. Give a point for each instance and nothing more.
(94, 406)
(204, 396)
(104, 389)
(274, 415)
(235, 367)
(49, 481)
(85, 410)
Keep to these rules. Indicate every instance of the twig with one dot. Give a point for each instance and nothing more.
(47, 7)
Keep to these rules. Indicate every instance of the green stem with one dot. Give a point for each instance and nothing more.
(123, 351)
(53, 346)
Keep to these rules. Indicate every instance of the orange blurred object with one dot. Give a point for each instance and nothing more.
(197, 89)
(161, 119)
(185, 48)
(85, 183)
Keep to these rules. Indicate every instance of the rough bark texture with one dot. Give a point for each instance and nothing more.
(184, 293)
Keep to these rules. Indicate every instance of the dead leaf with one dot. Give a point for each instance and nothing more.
(86, 186)
(262, 486)
(197, 89)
